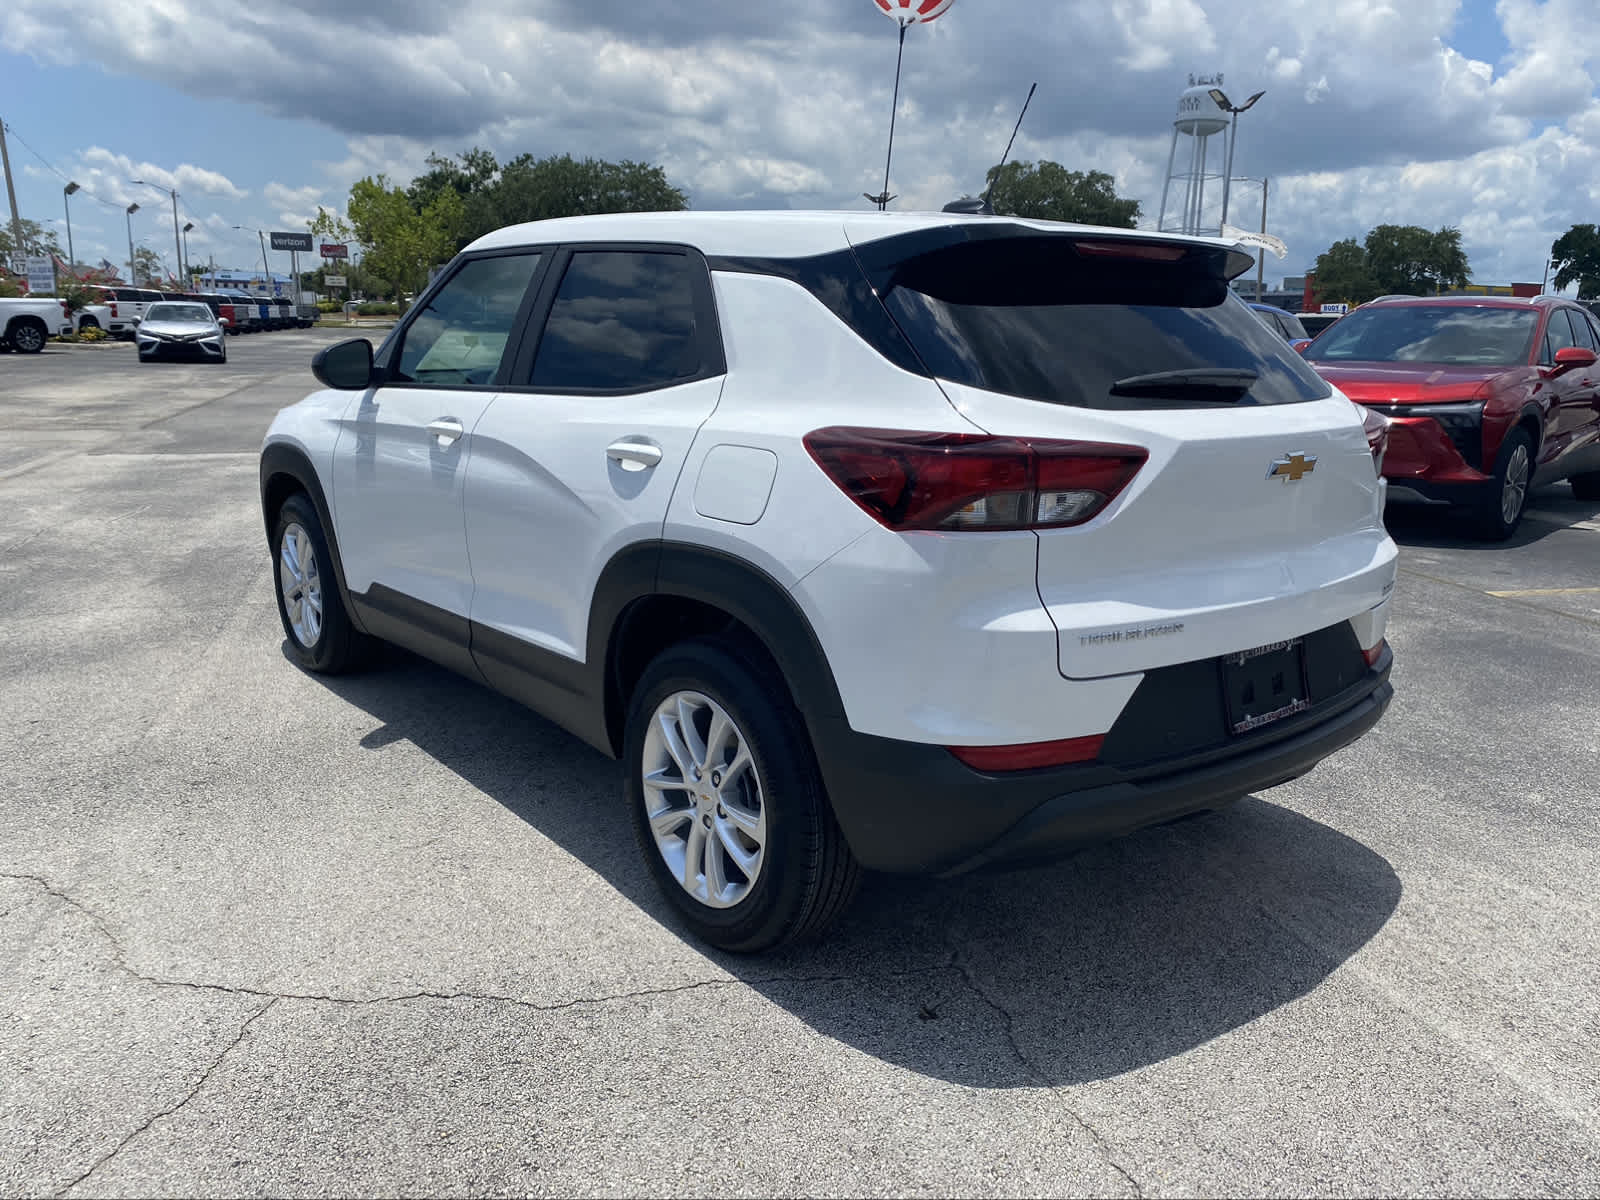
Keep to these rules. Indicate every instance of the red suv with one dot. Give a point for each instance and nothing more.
(1485, 397)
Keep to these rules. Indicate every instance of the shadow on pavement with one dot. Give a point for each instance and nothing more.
(1550, 510)
(1123, 956)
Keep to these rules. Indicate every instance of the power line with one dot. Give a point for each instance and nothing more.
(12, 130)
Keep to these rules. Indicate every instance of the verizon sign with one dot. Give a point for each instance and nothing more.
(335, 250)
(289, 241)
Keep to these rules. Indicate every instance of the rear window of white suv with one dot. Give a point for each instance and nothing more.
(1103, 323)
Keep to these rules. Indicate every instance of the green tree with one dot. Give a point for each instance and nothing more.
(398, 242)
(1575, 255)
(1343, 275)
(1409, 259)
(146, 267)
(36, 240)
(1047, 191)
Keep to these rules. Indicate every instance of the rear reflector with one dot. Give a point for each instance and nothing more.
(962, 481)
(1030, 756)
(1373, 655)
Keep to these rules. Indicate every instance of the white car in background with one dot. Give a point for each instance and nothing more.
(180, 329)
(93, 316)
(910, 542)
(28, 322)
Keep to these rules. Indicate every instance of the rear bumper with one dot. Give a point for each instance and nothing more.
(912, 808)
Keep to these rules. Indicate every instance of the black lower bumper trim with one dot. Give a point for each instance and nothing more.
(1082, 818)
(912, 808)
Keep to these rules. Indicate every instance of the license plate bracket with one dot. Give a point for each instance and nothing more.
(1264, 685)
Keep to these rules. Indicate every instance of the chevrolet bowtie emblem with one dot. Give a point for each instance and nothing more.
(1294, 468)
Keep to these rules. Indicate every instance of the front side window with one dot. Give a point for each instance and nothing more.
(1557, 336)
(1444, 334)
(1581, 328)
(622, 320)
(460, 337)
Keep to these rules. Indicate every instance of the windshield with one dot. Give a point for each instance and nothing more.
(1442, 334)
(179, 312)
(1034, 317)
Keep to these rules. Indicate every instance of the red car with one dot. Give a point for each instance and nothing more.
(1485, 397)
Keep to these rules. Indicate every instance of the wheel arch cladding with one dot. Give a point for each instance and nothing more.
(650, 597)
(285, 471)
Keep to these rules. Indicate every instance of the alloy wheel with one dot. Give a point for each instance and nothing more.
(301, 581)
(704, 800)
(1515, 490)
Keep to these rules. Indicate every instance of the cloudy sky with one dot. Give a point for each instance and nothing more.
(1482, 114)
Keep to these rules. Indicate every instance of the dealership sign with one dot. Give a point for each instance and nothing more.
(335, 250)
(290, 241)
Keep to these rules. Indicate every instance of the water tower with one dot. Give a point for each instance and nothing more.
(1200, 118)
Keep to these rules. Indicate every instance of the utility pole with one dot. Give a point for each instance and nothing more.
(11, 194)
(66, 202)
(1261, 251)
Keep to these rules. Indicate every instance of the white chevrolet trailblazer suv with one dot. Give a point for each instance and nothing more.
(910, 543)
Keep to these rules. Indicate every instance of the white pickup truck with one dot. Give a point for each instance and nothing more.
(27, 323)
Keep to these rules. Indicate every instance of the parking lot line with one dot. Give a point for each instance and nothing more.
(1578, 591)
(1555, 518)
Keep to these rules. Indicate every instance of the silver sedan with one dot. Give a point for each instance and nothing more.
(174, 329)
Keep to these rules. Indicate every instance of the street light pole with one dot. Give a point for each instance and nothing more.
(133, 267)
(1226, 105)
(184, 265)
(1261, 251)
(176, 244)
(66, 200)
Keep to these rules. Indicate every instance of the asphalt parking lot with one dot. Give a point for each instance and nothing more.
(262, 933)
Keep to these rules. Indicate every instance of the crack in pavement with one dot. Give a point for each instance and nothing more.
(167, 1112)
(1041, 1077)
(401, 997)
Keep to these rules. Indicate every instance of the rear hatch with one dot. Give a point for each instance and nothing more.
(1255, 518)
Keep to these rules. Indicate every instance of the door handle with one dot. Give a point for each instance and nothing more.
(446, 429)
(634, 455)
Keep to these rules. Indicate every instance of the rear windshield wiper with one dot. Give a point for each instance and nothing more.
(1200, 383)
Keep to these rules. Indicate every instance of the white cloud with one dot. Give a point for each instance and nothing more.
(1372, 110)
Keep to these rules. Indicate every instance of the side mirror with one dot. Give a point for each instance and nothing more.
(1569, 357)
(135, 320)
(224, 322)
(1300, 346)
(346, 366)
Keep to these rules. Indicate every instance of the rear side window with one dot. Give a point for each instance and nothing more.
(621, 321)
(1036, 317)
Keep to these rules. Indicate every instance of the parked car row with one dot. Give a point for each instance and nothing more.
(124, 307)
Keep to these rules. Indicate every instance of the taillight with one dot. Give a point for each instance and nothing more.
(1373, 653)
(953, 481)
(1030, 756)
(113, 308)
(1377, 428)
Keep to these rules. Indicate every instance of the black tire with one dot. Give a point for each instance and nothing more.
(27, 335)
(1499, 513)
(807, 876)
(337, 646)
(88, 322)
(1586, 486)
